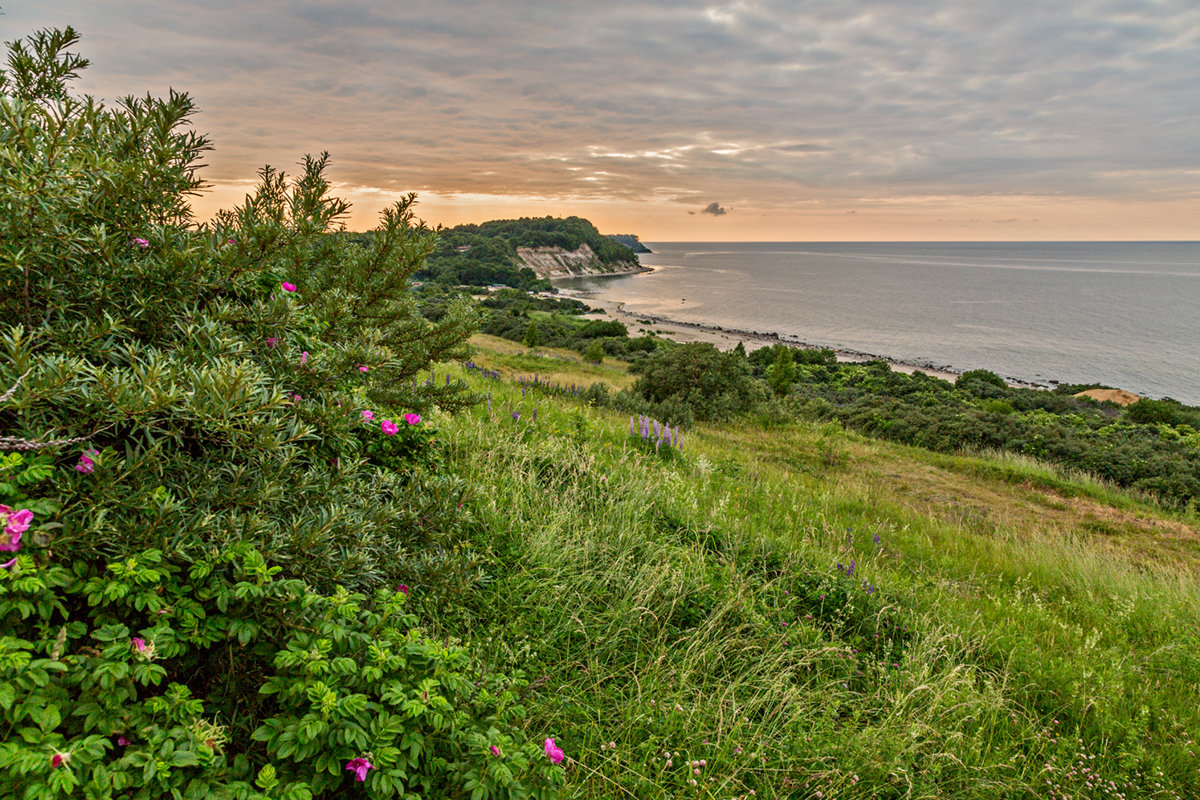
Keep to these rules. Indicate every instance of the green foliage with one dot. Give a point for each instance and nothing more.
(211, 514)
(594, 352)
(782, 373)
(531, 338)
(698, 377)
(157, 677)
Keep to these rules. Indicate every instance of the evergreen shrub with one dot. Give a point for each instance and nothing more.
(208, 486)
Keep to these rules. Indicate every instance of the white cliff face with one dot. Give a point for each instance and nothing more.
(555, 262)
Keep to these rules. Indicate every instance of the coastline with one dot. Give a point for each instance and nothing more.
(728, 338)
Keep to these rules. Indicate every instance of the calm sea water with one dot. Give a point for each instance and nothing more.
(1126, 313)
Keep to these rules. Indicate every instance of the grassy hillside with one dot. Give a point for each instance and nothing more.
(800, 611)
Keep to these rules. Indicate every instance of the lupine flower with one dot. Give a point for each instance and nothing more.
(495, 750)
(554, 753)
(363, 368)
(402, 589)
(303, 357)
(412, 419)
(272, 341)
(288, 287)
(389, 427)
(368, 415)
(359, 766)
(140, 242)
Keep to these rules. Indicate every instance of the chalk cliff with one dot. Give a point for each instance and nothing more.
(557, 262)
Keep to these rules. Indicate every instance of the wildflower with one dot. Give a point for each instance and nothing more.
(412, 419)
(402, 589)
(140, 242)
(495, 750)
(59, 759)
(8, 564)
(15, 523)
(363, 368)
(231, 240)
(303, 357)
(85, 465)
(122, 741)
(389, 427)
(291, 287)
(612, 745)
(139, 644)
(367, 415)
(359, 767)
(554, 753)
(271, 342)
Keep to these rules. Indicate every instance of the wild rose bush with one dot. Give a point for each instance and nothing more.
(178, 395)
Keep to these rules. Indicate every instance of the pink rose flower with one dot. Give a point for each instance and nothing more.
(495, 750)
(15, 523)
(8, 564)
(122, 741)
(402, 589)
(85, 465)
(553, 752)
(139, 644)
(363, 368)
(412, 419)
(140, 242)
(368, 415)
(289, 287)
(58, 759)
(359, 766)
(389, 427)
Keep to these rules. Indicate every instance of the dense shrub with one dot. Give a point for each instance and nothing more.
(700, 378)
(215, 453)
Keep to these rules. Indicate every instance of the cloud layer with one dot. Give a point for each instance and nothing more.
(779, 107)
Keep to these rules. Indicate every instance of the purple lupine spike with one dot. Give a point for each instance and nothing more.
(632, 429)
(516, 416)
(535, 415)
(447, 380)
(522, 391)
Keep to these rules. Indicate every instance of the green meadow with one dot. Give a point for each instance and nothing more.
(809, 613)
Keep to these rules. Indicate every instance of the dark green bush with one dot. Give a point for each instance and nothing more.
(186, 405)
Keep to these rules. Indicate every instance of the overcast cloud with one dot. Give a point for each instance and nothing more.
(772, 106)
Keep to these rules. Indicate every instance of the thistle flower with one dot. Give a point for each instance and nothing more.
(359, 766)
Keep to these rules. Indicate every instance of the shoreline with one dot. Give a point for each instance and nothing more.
(728, 338)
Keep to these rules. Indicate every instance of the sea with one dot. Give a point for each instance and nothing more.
(1125, 314)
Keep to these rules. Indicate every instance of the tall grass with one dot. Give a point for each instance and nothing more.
(763, 616)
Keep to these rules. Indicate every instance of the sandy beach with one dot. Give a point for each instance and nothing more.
(726, 339)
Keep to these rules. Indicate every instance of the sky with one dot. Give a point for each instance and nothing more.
(796, 120)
